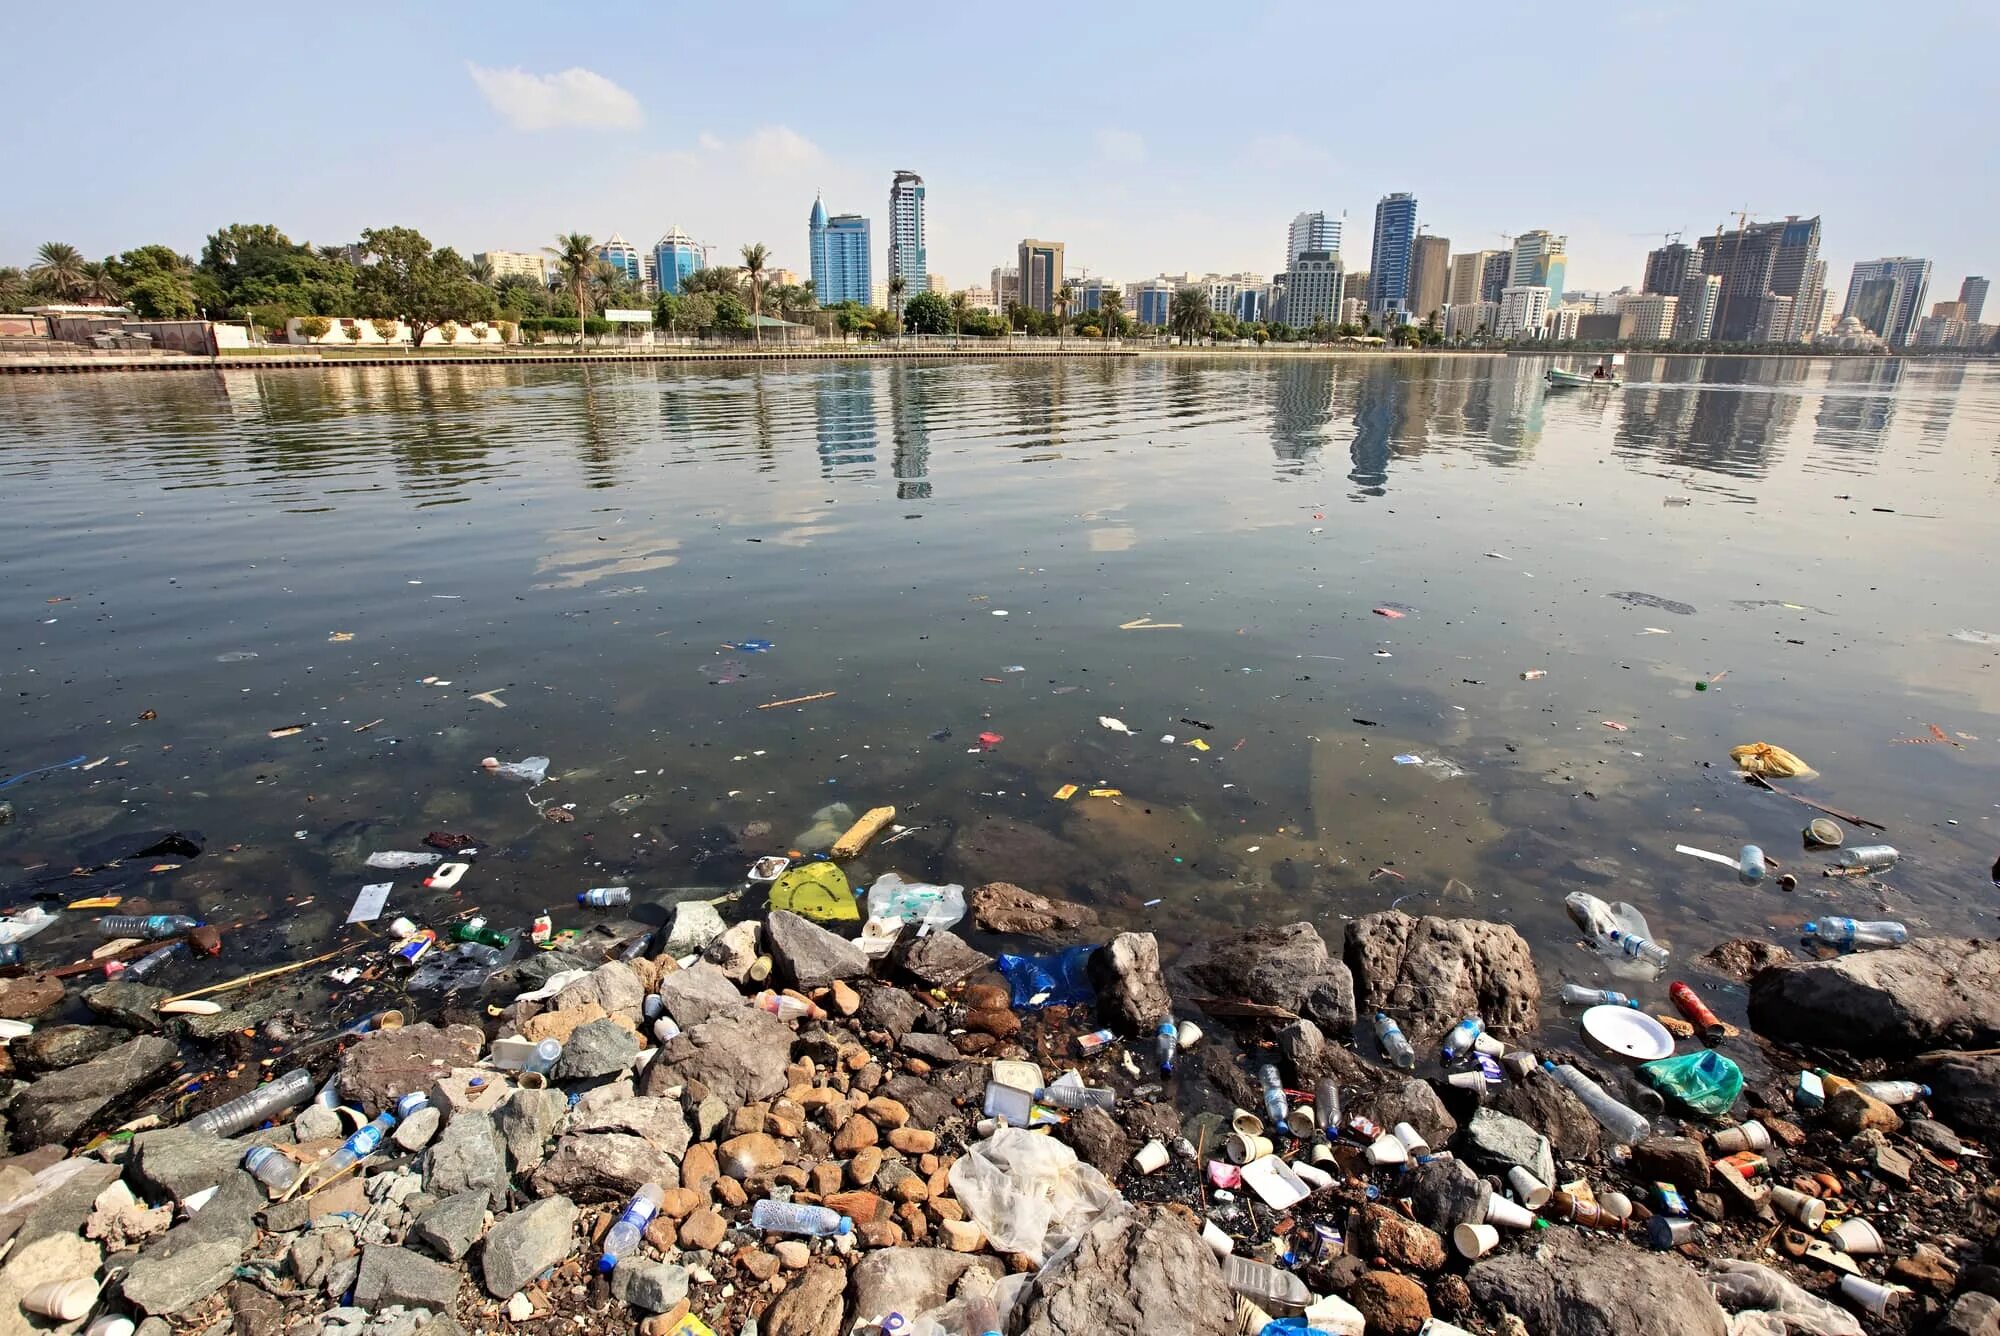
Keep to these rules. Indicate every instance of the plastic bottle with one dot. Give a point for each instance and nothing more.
(982, 1316)
(1394, 1047)
(359, 1146)
(1168, 1044)
(152, 960)
(624, 1234)
(1866, 858)
(790, 1217)
(10, 953)
(149, 927)
(480, 953)
(1076, 1097)
(1848, 934)
(1576, 995)
(1274, 1095)
(1459, 1042)
(275, 1171)
(1326, 1106)
(1635, 947)
(1750, 863)
(1897, 1092)
(266, 1101)
(787, 1008)
(546, 1055)
(475, 930)
(604, 897)
(1626, 1124)
(666, 1030)
(1264, 1285)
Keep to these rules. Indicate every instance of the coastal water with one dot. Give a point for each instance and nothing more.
(581, 562)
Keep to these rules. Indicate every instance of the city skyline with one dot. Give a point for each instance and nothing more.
(617, 142)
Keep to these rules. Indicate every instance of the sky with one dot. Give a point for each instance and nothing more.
(1149, 138)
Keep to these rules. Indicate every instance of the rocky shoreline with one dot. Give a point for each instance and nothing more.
(486, 1208)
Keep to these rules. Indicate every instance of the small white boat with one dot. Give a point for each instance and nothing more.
(1559, 379)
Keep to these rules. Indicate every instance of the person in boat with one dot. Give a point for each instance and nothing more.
(1599, 373)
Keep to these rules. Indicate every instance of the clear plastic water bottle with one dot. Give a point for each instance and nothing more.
(666, 1030)
(1634, 947)
(1274, 1095)
(481, 954)
(790, 1217)
(1849, 934)
(1750, 863)
(1897, 1092)
(147, 927)
(1326, 1107)
(10, 953)
(1168, 1044)
(266, 1101)
(546, 1055)
(605, 897)
(623, 1236)
(1626, 1124)
(1576, 995)
(152, 960)
(1076, 1097)
(1866, 858)
(1395, 1048)
(275, 1171)
(1459, 1042)
(533, 769)
(982, 1316)
(358, 1147)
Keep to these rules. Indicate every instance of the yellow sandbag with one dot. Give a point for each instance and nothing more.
(818, 891)
(867, 828)
(1761, 758)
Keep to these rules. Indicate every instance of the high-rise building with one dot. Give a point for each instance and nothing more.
(909, 259)
(1006, 284)
(1524, 309)
(1313, 289)
(1774, 320)
(1694, 313)
(1041, 264)
(1149, 301)
(1315, 231)
(675, 256)
(1874, 301)
(1795, 273)
(1389, 260)
(1353, 310)
(1467, 281)
(840, 256)
(1430, 263)
(624, 257)
(1538, 260)
(511, 264)
(1972, 296)
(1940, 331)
(1468, 319)
(935, 283)
(1499, 265)
(1756, 263)
(1913, 277)
(1668, 268)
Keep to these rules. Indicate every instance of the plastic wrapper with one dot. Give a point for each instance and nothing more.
(931, 908)
(1766, 1304)
(817, 890)
(1059, 980)
(1706, 1081)
(1029, 1193)
(1761, 758)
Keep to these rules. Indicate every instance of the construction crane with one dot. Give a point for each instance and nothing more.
(1743, 216)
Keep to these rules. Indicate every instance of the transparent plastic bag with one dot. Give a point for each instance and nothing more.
(1765, 1302)
(931, 908)
(1706, 1081)
(533, 769)
(1028, 1192)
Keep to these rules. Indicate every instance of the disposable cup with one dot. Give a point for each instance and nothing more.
(1246, 1122)
(533, 1081)
(111, 1324)
(1151, 1157)
(1616, 1205)
(1508, 1213)
(1808, 1210)
(1474, 1240)
(1218, 1242)
(63, 1300)
(1386, 1149)
(1187, 1034)
(1303, 1122)
(1489, 1045)
(1531, 1190)
(1856, 1236)
(1412, 1139)
(1242, 1148)
(1322, 1153)
(1749, 1136)
(1875, 1298)
(1473, 1080)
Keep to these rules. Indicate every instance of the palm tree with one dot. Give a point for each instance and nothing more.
(100, 284)
(897, 285)
(480, 270)
(1188, 314)
(576, 263)
(754, 256)
(13, 288)
(960, 304)
(58, 268)
(1111, 303)
(1064, 299)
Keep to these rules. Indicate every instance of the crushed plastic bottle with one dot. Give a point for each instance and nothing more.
(1395, 1048)
(1626, 1124)
(1167, 1045)
(358, 1147)
(1866, 858)
(395, 860)
(1616, 930)
(533, 769)
(1065, 1096)
(787, 1008)
(274, 1170)
(1462, 1037)
(605, 897)
(1897, 1092)
(267, 1100)
(1854, 934)
(787, 1217)
(147, 927)
(1576, 995)
(626, 1231)
(1274, 1095)
(150, 962)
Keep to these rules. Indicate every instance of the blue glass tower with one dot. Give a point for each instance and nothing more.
(840, 262)
(675, 256)
(1389, 263)
(624, 257)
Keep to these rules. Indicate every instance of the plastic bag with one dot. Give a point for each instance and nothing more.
(1761, 758)
(21, 926)
(817, 890)
(1706, 1081)
(1029, 1192)
(533, 769)
(1761, 1293)
(931, 908)
(1060, 980)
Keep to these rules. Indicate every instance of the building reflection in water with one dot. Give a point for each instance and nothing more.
(844, 419)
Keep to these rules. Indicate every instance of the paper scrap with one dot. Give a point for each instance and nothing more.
(368, 904)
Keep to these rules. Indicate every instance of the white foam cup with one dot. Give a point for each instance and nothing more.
(63, 1300)
(1412, 1139)
(1856, 1236)
(1510, 1214)
(1474, 1240)
(1151, 1157)
(1531, 1191)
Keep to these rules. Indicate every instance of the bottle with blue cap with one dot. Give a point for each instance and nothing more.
(1848, 934)
(790, 1217)
(272, 1168)
(1168, 1044)
(626, 1231)
(1459, 1042)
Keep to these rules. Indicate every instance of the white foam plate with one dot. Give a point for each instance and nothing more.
(1628, 1033)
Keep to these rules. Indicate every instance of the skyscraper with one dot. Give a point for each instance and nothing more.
(1499, 264)
(1795, 273)
(1315, 231)
(1313, 289)
(1467, 282)
(1389, 261)
(1006, 287)
(1539, 261)
(1668, 268)
(1694, 314)
(1972, 296)
(840, 256)
(624, 257)
(908, 258)
(675, 256)
(1914, 279)
(1430, 259)
(1742, 260)
(1524, 308)
(1041, 265)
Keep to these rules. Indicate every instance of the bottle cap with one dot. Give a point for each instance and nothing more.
(846, 1226)
(1812, 926)
(606, 1264)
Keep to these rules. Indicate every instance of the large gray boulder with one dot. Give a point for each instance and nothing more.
(1414, 1101)
(660, 1121)
(739, 1056)
(1429, 972)
(471, 1156)
(523, 1245)
(813, 1304)
(392, 1275)
(807, 955)
(1967, 1094)
(941, 958)
(604, 1166)
(387, 1064)
(1934, 993)
(1547, 1105)
(1573, 1286)
(194, 1260)
(526, 1122)
(61, 1104)
(911, 1280)
(693, 995)
(1497, 1142)
(1127, 974)
(1286, 967)
(599, 1048)
(1134, 1273)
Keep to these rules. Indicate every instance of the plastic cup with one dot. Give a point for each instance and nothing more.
(63, 1300)
(1488, 1044)
(1749, 1136)
(1531, 1191)
(111, 1324)
(1875, 1298)
(1803, 1207)
(1242, 1148)
(1856, 1236)
(1246, 1122)
(1187, 1034)
(532, 1081)
(1412, 1139)
(1386, 1149)
(1508, 1214)
(1473, 1080)
(1322, 1153)
(1473, 1241)
(1218, 1242)
(1303, 1122)
(1151, 1157)
(1616, 1205)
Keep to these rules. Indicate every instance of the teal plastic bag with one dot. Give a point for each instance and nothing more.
(1706, 1081)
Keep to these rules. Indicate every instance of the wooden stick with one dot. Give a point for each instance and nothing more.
(253, 978)
(1848, 817)
(798, 700)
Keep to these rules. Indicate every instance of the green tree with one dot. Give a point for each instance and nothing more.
(13, 288)
(100, 282)
(480, 270)
(576, 261)
(385, 330)
(698, 309)
(961, 307)
(754, 256)
(1064, 299)
(521, 295)
(254, 264)
(731, 314)
(667, 312)
(353, 331)
(423, 286)
(898, 285)
(714, 282)
(1111, 302)
(1188, 314)
(58, 270)
(927, 313)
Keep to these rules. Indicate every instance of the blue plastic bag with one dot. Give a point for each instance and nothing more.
(1060, 980)
(1289, 1326)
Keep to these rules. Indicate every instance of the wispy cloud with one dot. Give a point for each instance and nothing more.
(577, 98)
(1121, 145)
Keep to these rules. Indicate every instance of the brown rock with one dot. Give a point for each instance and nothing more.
(826, 1178)
(886, 1112)
(29, 996)
(845, 1000)
(762, 1265)
(987, 997)
(699, 1169)
(752, 1153)
(793, 1255)
(913, 1140)
(910, 1189)
(1001, 906)
(1394, 1305)
(1927, 1268)
(817, 1097)
(1851, 1110)
(973, 1044)
(999, 1024)
(881, 1232)
(861, 1169)
(785, 1119)
(749, 1118)
(860, 1207)
(854, 1134)
(1677, 1160)
(1785, 1132)
(680, 1203)
(942, 1209)
(939, 1181)
(1740, 957)
(814, 1304)
(731, 1193)
(1403, 1243)
(662, 1232)
(702, 1230)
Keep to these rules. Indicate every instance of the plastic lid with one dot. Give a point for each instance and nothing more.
(1812, 926)
(607, 1264)
(846, 1226)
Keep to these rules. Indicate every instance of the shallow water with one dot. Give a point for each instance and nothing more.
(1193, 547)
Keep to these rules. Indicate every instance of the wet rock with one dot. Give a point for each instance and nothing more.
(60, 1046)
(1574, 1286)
(600, 1048)
(807, 956)
(660, 1121)
(1001, 906)
(471, 1156)
(58, 1106)
(1740, 958)
(382, 1066)
(1097, 1141)
(1971, 1315)
(452, 1226)
(1445, 1193)
(1287, 966)
(398, 1276)
(1497, 1142)
(739, 1057)
(1966, 1094)
(522, 1245)
(29, 996)
(696, 925)
(735, 951)
(650, 1287)
(912, 1280)
(694, 995)
(1127, 974)
(941, 958)
(1412, 1101)
(1431, 971)
(526, 1122)
(1405, 1243)
(812, 1305)
(177, 1162)
(129, 1004)
(1542, 1103)
(1135, 1273)
(1677, 1160)
(1393, 1305)
(1936, 992)
(604, 1166)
